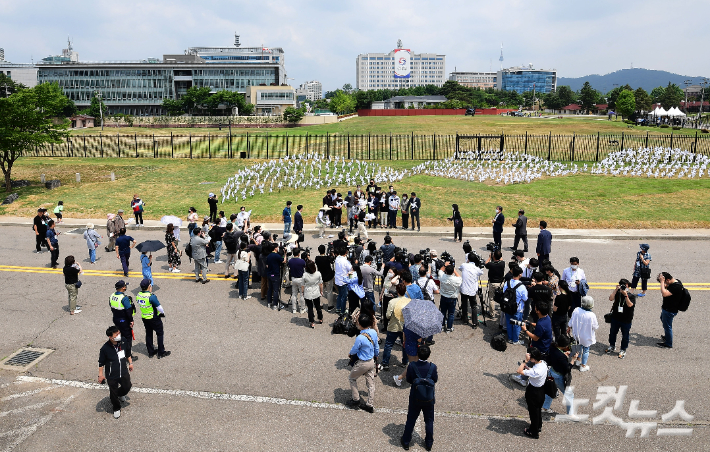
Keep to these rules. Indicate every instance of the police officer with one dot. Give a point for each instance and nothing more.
(150, 307)
(123, 309)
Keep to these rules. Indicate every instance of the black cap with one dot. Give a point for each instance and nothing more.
(145, 283)
(121, 284)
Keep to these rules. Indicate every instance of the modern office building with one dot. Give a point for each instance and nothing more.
(377, 70)
(407, 102)
(139, 87)
(270, 100)
(24, 73)
(480, 80)
(312, 90)
(522, 79)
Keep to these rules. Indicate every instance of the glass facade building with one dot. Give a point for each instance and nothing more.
(522, 80)
(139, 87)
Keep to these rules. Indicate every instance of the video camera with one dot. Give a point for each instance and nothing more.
(467, 248)
(378, 258)
(481, 262)
(401, 255)
(446, 257)
(352, 255)
(426, 256)
(520, 323)
(492, 247)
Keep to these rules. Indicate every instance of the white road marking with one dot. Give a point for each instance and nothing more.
(26, 393)
(25, 408)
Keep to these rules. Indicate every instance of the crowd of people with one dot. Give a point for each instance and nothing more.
(531, 302)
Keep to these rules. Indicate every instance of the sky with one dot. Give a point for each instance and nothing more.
(321, 39)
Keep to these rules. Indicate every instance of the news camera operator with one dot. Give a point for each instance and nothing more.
(622, 314)
(368, 278)
(387, 249)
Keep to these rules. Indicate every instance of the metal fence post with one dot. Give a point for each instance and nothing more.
(348, 146)
(172, 146)
(135, 138)
(597, 159)
(526, 141)
(696, 133)
(327, 145)
(368, 145)
(390, 145)
(190, 136)
(695, 145)
(267, 145)
(574, 135)
(433, 155)
(286, 144)
(502, 144)
(118, 143)
(622, 140)
(69, 151)
(84, 146)
(306, 143)
(549, 147)
(671, 138)
(412, 145)
(209, 146)
(101, 143)
(155, 148)
(248, 148)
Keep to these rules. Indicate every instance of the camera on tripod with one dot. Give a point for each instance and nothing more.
(378, 258)
(467, 248)
(426, 256)
(478, 261)
(492, 247)
(446, 257)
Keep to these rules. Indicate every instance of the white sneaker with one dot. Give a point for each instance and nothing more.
(117, 414)
(609, 350)
(519, 380)
(293, 311)
(516, 343)
(397, 380)
(303, 310)
(548, 411)
(218, 262)
(583, 368)
(77, 310)
(177, 270)
(578, 363)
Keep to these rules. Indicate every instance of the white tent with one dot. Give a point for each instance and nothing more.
(675, 112)
(660, 111)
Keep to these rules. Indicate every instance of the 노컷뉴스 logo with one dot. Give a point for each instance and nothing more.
(644, 420)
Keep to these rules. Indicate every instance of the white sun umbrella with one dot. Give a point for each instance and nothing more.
(167, 219)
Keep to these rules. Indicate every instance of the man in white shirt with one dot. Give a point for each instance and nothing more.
(393, 208)
(243, 218)
(520, 258)
(426, 283)
(342, 268)
(450, 283)
(470, 275)
(574, 276)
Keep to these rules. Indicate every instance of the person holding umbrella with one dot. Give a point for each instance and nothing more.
(147, 259)
(421, 319)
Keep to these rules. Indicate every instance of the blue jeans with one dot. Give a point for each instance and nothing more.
(148, 274)
(371, 296)
(513, 330)
(667, 320)
(412, 414)
(274, 290)
(560, 382)
(389, 342)
(447, 307)
(342, 299)
(583, 353)
(287, 227)
(92, 255)
(614, 330)
(243, 282)
(217, 250)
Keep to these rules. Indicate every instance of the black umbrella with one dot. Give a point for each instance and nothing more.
(150, 246)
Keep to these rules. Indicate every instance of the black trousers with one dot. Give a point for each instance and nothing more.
(126, 336)
(41, 241)
(543, 257)
(405, 220)
(458, 232)
(118, 388)
(213, 215)
(392, 219)
(465, 301)
(139, 217)
(154, 324)
(517, 240)
(535, 397)
(353, 301)
(309, 304)
(385, 304)
(54, 253)
(412, 414)
(497, 239)
(415, 215)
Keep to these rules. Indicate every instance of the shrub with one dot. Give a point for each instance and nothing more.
(664, 126)
(676, 128)
(704, 131)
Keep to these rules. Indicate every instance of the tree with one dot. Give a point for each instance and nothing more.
(657, 94)
(69, 109)
(173, 107)
(566, 95)
(28, 119)
(588, 97)
(195, 98)
(626, 103)
(348, 88)
(8, 86)
(672, 95)
(293, 114)
(342, 103)
(643, 100)
(96, 106)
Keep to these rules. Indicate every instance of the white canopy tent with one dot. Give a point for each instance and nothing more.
(675, 112)
(658, 112)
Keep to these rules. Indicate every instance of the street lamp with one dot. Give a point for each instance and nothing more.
(687, 83)
(703, 84)
(101, 109)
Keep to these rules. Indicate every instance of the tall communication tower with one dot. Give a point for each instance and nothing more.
(501, 56)
(236, 40)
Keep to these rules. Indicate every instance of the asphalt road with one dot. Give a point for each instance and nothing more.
(233, 348)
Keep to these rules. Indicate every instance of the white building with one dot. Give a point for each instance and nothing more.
(312, 90)
(24, 73)
(480, 80)
(376, 71)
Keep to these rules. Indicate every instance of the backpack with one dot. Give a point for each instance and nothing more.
(684, 301)
(188, 251)
(508, 303)
(339, 325)
(423, 388)
(425, 293)
(499, 342)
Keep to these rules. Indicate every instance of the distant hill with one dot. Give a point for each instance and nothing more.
(645, 78)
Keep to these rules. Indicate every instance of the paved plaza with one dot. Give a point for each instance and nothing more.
(243, 377)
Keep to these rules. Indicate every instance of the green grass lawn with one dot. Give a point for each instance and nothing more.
(171, 186)
(441, 125)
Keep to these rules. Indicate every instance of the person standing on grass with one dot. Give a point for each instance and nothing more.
(137, 206)
(286, 217)
(92, 241)
(212, 201)
(71, 271)
(173, 251)
(124, 243)
(40, 228)
(58, 211)
(415, 205)
(404, 207)
(53, 243)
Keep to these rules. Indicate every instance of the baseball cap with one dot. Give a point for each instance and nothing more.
(145, 283)
(120, 210)
(121, 284)
(211, 194)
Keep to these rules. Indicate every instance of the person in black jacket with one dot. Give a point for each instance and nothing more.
(521, 230)
(415, 205)
(416, 406)
(622, 314)
(298, 221)
(560, 367)
(231, 242)
(118, 367)
(498, 222)
(458, 222)
(325, 267)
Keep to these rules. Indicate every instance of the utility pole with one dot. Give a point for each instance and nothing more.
(686, 83)
(101, 109)
(703, 84)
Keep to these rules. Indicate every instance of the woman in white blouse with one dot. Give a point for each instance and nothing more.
(535, 390)
(242, 267)
(583, 326)
(313, 282)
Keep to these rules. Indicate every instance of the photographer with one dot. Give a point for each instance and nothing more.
(538, 293)
(535, 391)
(672, 292)
(325, 268)
(426, 283)
(368, 279)
(387, 249)
(450, 284)
(641, 270)
(496, 277)
(341, 241)
(541, 336)
(622, 314)
(470, 275)
(560, 309)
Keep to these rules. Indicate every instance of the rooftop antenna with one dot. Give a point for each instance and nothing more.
(399, 43)
(632, 65)
(69, 48)
(501, 56)
(236, 40)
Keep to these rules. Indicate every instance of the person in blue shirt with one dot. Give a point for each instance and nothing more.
(420, 369)
(53, 243)
(541, 336)
(356, 293)
(413, 290)
(286, 217)
(521, 296)
(366, 351)
(146, 266)
(124, 243)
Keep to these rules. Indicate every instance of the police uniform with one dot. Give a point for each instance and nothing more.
(123, 310)
(149, 307)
